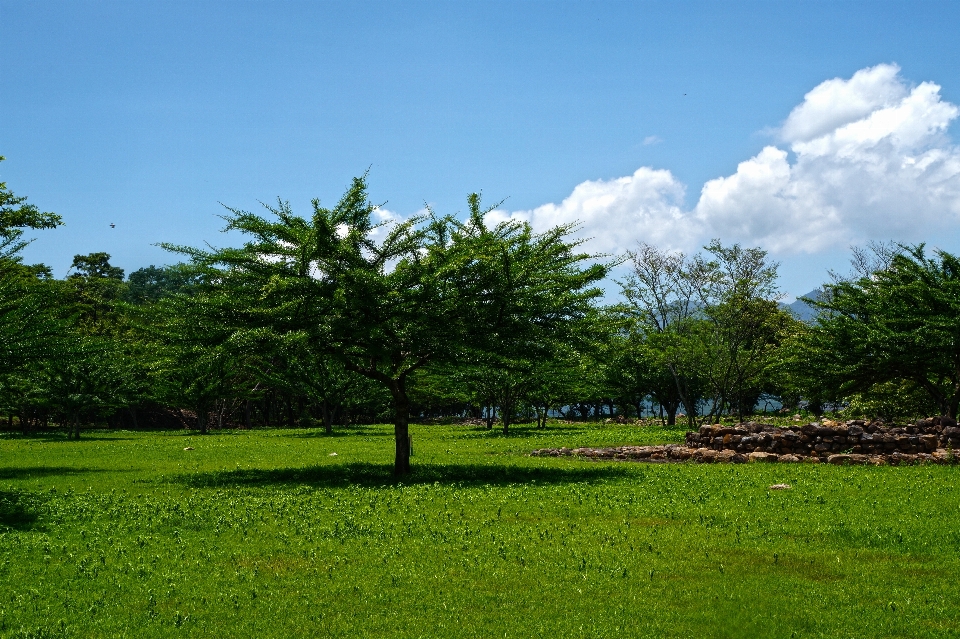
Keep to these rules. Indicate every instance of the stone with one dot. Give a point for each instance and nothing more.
(726, 456)
(761, 457)
(944, 455)
(839, 460)
(705, 455)
(788, 459)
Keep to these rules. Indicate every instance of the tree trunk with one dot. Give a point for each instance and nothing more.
(671, 415)
(202, 419)
(327, 417)
(246, 414)
(401, 432)
(133, 415)
(541, 416)
(491, 416)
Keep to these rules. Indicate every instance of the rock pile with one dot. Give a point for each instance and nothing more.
(931, 440)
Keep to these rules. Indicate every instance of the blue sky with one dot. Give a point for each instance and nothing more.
(149, 114)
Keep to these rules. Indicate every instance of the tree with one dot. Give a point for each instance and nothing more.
(665, 327)
(94, 292)
(712, 320)
(739, 296)
(152, 283)
(15, 216)
(898, 324)
(30, 328)
(434, 289)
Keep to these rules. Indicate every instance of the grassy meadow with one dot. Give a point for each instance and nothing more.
(266, 533)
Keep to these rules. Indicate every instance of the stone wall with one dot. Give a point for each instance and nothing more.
(931, 440)
(821, 439)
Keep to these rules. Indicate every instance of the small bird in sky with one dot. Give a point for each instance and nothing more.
(113, 226)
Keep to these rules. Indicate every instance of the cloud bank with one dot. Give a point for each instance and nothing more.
(863, 158)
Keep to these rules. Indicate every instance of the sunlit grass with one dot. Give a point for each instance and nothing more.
(265, 533)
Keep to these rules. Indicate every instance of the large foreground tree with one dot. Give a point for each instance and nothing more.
(387, 300)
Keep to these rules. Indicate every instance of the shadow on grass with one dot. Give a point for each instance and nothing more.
(520, 432)
(36, 472)
(353, 432)
(18, 510)
(59, 436)
(367, 474)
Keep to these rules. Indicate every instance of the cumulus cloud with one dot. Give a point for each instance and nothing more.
(837, 102)
(616, 213)
(865, 158)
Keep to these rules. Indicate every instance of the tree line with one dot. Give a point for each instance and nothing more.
(332, 318)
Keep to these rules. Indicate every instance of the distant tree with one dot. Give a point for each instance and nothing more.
(87, 383)
(95, 266)
(665, 331)
(151, 283)
(712, 320)
(899, 324)
(94, 291)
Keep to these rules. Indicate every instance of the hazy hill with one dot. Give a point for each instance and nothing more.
(801, 309)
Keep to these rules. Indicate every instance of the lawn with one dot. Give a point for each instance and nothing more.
(266, 533)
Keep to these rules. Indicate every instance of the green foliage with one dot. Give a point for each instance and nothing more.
(898, 324)
(434, 290)
(15, 216)
(711, 322)
(151, 283)
(892, 402)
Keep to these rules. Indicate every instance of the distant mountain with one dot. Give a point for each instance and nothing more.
(803, 311)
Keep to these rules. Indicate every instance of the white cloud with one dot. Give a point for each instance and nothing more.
(616, 213)
(837, 102)
(871, 160)
(652, 139)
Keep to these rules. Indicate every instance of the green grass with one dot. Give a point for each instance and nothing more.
(265, 534)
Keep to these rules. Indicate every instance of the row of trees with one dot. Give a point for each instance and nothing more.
(314, 320)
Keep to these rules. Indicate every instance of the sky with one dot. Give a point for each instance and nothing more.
(803, 128)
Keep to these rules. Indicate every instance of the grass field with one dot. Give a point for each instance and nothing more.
(265, 534)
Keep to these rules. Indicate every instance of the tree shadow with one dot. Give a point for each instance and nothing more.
(38, 472)
(374, 475)
(59, 436)
(356, 432)
(18, 510)
(532, 432)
